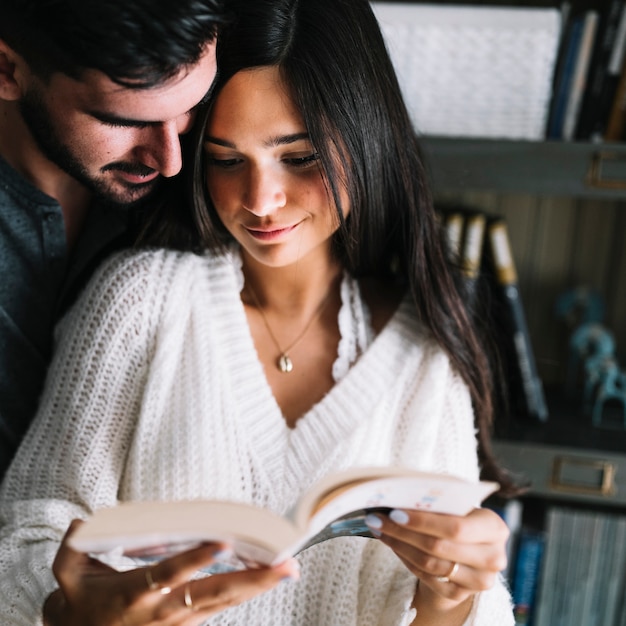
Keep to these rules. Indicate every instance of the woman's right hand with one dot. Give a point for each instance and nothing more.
(93, 594)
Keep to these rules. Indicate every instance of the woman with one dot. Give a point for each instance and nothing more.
(319, 329)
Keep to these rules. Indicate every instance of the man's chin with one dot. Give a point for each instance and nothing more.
(126, 198)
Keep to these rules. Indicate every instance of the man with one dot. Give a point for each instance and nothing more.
(93, 97)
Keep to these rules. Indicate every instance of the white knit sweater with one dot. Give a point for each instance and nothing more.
(156, 392)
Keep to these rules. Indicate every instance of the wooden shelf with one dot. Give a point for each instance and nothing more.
(563, 473)
(584, 170)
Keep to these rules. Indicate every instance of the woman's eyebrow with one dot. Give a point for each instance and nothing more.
(220, 142)
(279, 140)
(285, 139)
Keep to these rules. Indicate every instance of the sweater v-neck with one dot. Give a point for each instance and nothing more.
(327, 423)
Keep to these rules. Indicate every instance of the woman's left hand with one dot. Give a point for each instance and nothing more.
(454, 557)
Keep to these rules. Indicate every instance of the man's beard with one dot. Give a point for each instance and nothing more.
(41, 126)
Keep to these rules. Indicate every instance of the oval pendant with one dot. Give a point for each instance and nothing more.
(284, 363)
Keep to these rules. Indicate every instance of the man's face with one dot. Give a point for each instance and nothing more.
(116, 141)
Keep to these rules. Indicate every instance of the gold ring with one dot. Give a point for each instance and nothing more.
(153, 585)
(448, 577)
(188, 600)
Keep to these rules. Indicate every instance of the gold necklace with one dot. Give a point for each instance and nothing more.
(284, 362)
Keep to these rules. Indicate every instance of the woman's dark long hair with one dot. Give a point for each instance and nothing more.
(332, 56)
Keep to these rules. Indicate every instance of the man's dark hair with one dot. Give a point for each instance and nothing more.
(136, 43)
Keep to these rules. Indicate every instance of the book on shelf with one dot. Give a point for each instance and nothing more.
(334, 506)
(616, 124)
(555, 547)
(603, 70)
(579, 575)
(472, 251)
(492, 292)
(564, 75)
(526, 392)
(553, 594)
(584, 569)
(577, 85)
(615, 601)
(453, 226)
(594, 565)
(526, 576)
(464, 230)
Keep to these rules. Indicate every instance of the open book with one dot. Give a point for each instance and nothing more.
(334, 506)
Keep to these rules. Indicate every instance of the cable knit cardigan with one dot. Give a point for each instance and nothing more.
(156, 392)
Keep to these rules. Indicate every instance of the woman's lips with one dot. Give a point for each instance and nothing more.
(271, 234)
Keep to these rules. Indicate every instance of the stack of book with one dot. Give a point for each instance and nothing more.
(571, 571)
(479, 244)
(582, 578)
(589, 89)
(473, 70)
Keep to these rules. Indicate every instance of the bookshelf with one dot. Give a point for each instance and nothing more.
(575, 169)
(564, 203)
(567, 223)
(514, 177)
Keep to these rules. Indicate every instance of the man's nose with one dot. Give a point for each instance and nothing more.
(162, 151)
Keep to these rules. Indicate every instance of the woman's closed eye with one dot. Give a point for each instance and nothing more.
(298, 162)
(303, 161)
(223, 162)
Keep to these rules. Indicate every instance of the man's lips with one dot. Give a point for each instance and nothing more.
(137, 179)
(132, 173)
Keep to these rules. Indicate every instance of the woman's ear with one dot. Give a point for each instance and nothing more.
(10, 62)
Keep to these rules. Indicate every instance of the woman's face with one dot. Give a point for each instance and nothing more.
(263, 173)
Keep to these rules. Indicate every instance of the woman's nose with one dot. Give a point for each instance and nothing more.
(265, 192)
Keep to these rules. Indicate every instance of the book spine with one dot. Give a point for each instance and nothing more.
(579, 78)
(527, 572)
(506, 276)
(597, 608)
(599, 77)
(578, 582)
(565, 77)
(453, 226)
(615, 594)
(594, 566)
(545, 595)
(472, 251)
(611, 83)
(616, 125)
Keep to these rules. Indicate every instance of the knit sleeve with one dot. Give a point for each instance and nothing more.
(456, 449)
(73, 455)
(447, 440)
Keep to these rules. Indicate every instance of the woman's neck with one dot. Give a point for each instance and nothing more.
(295, 290)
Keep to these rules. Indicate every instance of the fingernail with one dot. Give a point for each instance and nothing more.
(374, 523)
(399, 517)
(285, 579)
(223, 554)
(294, 573)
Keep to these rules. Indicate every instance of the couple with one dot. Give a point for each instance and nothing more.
(311, 323)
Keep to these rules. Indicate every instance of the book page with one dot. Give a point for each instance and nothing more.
(421, 491)
(154, 530)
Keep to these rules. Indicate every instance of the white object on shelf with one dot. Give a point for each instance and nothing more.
(473, 71)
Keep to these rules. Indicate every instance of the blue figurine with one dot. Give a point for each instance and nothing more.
(612, 386)
(580, 305)
(590, 340)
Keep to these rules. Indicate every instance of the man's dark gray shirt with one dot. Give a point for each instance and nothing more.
(38, 280)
